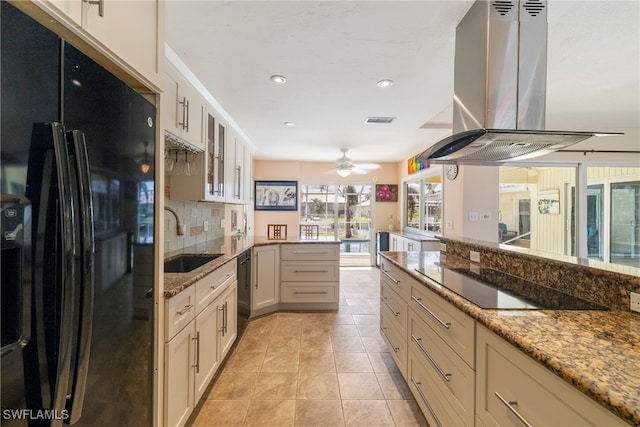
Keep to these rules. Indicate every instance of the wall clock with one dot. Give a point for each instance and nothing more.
(451, 172)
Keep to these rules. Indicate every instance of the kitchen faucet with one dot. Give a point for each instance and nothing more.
(179, 224)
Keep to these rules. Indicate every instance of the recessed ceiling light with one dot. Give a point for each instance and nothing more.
(385, 83)
(276, 78)
(290, 124)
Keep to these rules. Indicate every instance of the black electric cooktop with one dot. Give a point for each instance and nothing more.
(492, 289)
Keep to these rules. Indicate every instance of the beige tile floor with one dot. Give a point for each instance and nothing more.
(314, 369)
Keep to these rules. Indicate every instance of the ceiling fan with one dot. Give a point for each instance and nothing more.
(346, 167)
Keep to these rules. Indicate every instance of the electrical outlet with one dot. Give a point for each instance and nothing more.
(474, 256)
(449, 224)
(635, 302)
(443, 247)
(205, 225)
(474, 216)
(222, 223)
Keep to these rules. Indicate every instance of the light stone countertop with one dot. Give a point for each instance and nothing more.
(598, 352)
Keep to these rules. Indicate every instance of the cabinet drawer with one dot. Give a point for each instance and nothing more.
(396, 342)
(309, 271)
(448, 374)
(213, 284)
(309, 292)
(310, 251)
(535, 393)
(179, 311)
(431, 402)
(452, 325)
(397, 279)
(395, 307)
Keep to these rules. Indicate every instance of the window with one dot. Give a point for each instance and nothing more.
(612, 212)
(423, 202)
(343, 211)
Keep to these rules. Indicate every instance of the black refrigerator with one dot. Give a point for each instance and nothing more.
(77, 213)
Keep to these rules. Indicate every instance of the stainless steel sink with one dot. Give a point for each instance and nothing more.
(188, 262)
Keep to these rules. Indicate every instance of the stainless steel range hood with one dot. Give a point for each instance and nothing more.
(500, 88)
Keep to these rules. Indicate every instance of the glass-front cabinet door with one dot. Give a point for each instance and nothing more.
(423, 202)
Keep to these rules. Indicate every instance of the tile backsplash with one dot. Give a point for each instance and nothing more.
(193, 214)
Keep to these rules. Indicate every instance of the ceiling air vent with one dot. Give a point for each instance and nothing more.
(383, 120)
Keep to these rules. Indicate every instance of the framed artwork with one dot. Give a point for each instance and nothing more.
(386, 193)
(276, 195)
(549, 202)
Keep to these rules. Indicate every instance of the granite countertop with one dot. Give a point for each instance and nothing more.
(598, 352)
(229, 247)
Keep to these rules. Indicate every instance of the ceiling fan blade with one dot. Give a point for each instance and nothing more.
(370, 166)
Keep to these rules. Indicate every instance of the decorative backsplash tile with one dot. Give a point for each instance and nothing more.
(193, 214)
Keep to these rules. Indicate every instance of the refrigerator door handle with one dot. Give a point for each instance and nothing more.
(86, 282)
(46, 138)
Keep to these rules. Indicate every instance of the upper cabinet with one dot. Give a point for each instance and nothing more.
(126, 32)
(222, 173)
(183, 109)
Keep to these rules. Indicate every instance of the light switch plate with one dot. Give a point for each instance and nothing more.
(635, 302)
(474, 256)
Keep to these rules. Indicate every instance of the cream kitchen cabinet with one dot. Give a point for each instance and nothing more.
(200, 327)
(310, 273)
(441, 365)
(265, 277)
(395, 288)
(183, 109)
(208, 174)
(512, 390)
(433, 345)
(238, 172)
(123, 31)
(412, 243)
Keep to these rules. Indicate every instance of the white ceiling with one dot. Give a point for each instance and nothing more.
(333, 53)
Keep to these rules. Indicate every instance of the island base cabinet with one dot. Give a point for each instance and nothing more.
(512, 389)
(451, 379)
(428, 397)
(396, 342)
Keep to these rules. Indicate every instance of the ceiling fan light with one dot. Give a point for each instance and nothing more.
(144, 167)
(344, 172)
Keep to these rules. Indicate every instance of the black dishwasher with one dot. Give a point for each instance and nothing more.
(244, 290)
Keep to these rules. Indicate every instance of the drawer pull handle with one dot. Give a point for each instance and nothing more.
(394, 312)
(226, 278)
(390, 276)
(310, 293)
(510, 405)
(310, 271)
(424, 307)
(187, 308)
(310, 252)
(426, 403)
(418, 341)
(384, 331)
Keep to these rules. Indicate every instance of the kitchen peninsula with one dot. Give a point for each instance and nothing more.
(539, 358)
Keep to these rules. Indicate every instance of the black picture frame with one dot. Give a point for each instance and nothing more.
(276, 195)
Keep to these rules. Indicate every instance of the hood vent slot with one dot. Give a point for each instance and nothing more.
(534, 8)
(503, 7)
